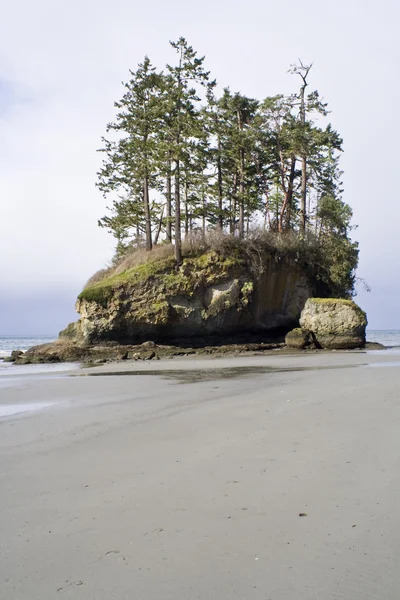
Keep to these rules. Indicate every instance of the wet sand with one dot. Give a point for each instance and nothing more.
(186, 479)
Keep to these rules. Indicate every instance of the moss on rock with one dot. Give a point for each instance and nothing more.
(297, 338)
(209, 293)
(334, 322)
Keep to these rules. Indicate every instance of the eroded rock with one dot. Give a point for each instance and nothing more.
(334, 323)
(297, 338)
(207, 296)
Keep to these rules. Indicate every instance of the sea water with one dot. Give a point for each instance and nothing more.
(388, 337)
(22, 342)
(10, 374)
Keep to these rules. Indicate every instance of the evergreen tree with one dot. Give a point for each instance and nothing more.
(183, 117)
(179, 157)
(130, 158)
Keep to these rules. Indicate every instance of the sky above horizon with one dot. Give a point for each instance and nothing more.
(61, 67)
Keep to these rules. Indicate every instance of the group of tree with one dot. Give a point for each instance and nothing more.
(180, 158)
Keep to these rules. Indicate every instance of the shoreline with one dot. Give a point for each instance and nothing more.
(60, 351)
(275, 361)
(145, 483)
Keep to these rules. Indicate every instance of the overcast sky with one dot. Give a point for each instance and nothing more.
(61, 67)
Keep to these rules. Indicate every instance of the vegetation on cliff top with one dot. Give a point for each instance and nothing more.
(214, 257)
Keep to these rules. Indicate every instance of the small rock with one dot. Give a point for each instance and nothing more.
(374, 346)
(297, 338)
(148, 345)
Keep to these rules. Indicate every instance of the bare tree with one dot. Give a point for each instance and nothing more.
(303, 70)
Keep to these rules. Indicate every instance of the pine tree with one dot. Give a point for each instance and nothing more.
(130, 158)
(184, 117)
(180, 158)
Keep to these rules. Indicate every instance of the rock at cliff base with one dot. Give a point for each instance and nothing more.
(334, 323)
(297, 338)
(72, 331)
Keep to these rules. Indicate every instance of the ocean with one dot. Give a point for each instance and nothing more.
(389, 338)
(22, 342)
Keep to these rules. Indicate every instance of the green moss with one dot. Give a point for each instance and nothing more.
(70, 332)
(176, 282)
(101, 294)
(247, 290)
(203, 261)
(102, 291)
(156, 313)
(206, 269)
(233, 261)
(335, 302)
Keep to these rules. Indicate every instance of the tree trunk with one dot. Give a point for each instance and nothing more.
(288, 200)
(204, 212)
(149, 243)
(178, 241)
(266, 214)
(303, 196)
(168, 228)
(241, 180)
(160, 222)
(241, 206)
(220, 214)
(186, 210)
(290, 191)
(303, 205)
(234, 205)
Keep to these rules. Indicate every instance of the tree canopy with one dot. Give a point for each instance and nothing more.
(181, 159)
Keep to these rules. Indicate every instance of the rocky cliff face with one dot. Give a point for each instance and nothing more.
(208, 295)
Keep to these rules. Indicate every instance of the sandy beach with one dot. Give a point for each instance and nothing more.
(257, 478)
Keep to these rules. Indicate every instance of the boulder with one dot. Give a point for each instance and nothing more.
(148, 346)
(15, 355)
(297, 338)
(374, 346)
(334, 323)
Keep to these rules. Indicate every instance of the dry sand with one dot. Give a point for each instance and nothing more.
(190, 485)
